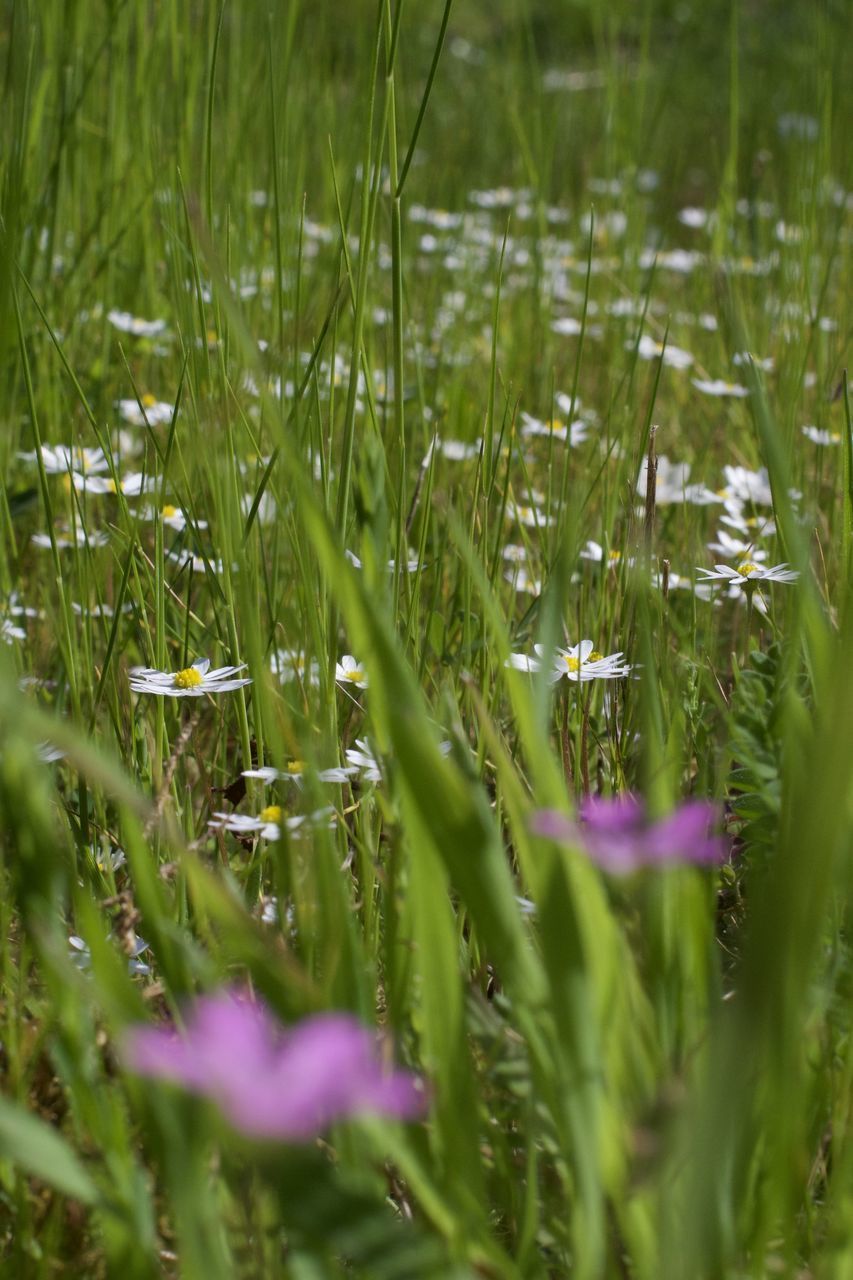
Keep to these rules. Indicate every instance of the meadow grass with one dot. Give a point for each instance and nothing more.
(392, 332)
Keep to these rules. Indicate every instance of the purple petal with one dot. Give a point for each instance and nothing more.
(553, 825)
(615, 833)
(684, 834)
(613, 815)
(270, 1082)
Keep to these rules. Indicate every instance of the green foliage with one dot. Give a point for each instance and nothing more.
(755, 779)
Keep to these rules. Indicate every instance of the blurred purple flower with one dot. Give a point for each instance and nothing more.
(616, 833)
(271, 1081)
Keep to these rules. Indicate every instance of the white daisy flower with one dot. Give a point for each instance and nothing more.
(173, 518)
(15, 609)
(748, 526)
(583, 662)
(349, 672)
(99, 610)
(592, 550)
(522, 581)
(59, 459)
(735, 548)
(107, 858)
(293, 664)
(523, 662)
(683, 261)
(192, 682)
(649, 349)
(319, 819)
(671, 484)
(153, 410)
(269, 822)
(79, 538)
(295, 772)
(412, 565)
(573, 433)
(748, 572)
(579, 664)
(766, 363)
(530, 517)
(693, 217)
(568, 326)
(719, 387)
(127, 323)
(819, 436)
(267, 507)
(131, 485)
(362, 759)
(199, 563)
(267, 774)
(748, 486)
(9, 632)
(458, 450)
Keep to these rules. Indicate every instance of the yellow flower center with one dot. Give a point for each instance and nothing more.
(615, 555)
(189, 678)
(169, 512)
(575, 664)
(747, 569)
(272, 813)
(296, 766)
(148, 401)
(355, 675)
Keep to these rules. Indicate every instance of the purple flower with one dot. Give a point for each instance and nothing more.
(271, 1081)
(616, 833)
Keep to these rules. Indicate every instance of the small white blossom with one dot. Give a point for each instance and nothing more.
(726, 545)
(80, 538)
(719, 387)
(748, 572)
(293, 664)
(350, 672)
(131, 485)
(59, 459)
(361, 758)
(573, 433)
(579, 664)
(673, 356)
(821, 437)
(269, 822)
(154, 411)
(192, 682)
(127, 323)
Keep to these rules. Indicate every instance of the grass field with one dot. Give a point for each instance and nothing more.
(466, 384)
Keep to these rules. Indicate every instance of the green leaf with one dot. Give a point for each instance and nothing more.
(38, 1148)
